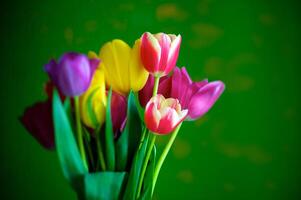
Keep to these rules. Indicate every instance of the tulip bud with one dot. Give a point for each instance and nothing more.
(162, 115)
(73, 73)
(37, 119)
(159, 52)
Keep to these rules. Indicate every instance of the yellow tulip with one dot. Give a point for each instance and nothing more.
(93, 101)
(122, 66)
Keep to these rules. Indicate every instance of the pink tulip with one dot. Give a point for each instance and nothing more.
(159, 52)
(197, 97)
(162, 115)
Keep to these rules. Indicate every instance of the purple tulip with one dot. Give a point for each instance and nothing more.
(73, 73)
(37, 119)
(197, 97)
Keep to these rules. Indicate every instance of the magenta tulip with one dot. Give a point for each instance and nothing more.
(197, 97)
(73, 73)
(118, 110)
(147, 91)
(159, 52)
(162, 115)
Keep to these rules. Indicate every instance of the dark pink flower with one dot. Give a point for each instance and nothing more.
(118, 110)
(197, 97)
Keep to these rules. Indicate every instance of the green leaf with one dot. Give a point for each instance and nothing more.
(129, 140)
(68, 153)
(132, 185)
(109, 148)
(104, 185)
(140, 108)
(146, 193)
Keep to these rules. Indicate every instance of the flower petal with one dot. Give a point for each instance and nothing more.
(173, 54)
(204, 99)
(115, 57)
(152, 116)
(137, 73)
(150, 52)
(37, 119)
(164, 42)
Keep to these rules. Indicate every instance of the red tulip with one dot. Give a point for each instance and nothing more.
(162, 115)
(159, 52)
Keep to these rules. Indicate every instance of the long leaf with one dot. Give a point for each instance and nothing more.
(131, 188)
(104, 185)
(128, 142)
(68, 153)
(109, 137)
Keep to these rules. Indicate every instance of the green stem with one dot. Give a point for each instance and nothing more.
(79, 132)
(152, 143)
(164, 154)
(90, 154)
(156, 85)
(100, 153)
(148, 154)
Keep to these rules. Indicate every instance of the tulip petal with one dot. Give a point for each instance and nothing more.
(164, 42)
(94, 62)
(152, 116)
(118, 111)
(37, 119)
(164, 86)
(173, 54)
(137, 73)
(181, 87)
(150, 52)
(51, 69)
(204, 99)
(115, 57)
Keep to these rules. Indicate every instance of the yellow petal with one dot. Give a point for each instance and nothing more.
(115, 57)
(137, 73)
(93, 101)
(92, 54)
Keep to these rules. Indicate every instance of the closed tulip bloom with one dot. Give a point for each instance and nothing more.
(118, 110)
(37, 119)
(72, 74)
(122, 66)
(162, 115)
(159, 52)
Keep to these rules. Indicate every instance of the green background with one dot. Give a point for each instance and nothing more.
(246, 147)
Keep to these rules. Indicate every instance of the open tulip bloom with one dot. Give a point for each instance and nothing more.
(104, 136)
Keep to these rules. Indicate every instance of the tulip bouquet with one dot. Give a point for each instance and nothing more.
(104, 112)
